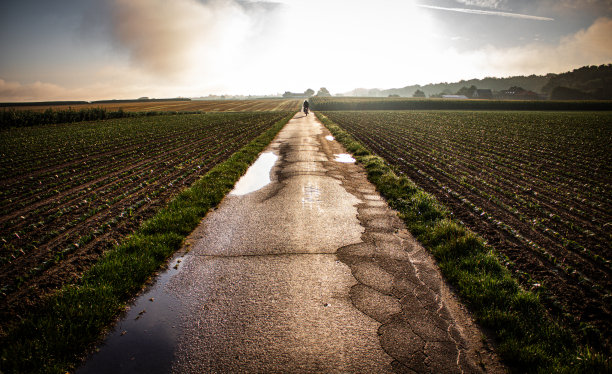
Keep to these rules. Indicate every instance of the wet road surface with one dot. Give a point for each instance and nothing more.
(311, 272)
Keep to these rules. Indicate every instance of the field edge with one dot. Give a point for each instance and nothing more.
(528, 340)
(55, 336)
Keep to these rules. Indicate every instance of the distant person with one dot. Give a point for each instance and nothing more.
(306, 106)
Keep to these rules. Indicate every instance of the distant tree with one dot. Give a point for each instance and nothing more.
(469, 92)
(323, 92)
(309, 92)
(516, 89)
(594, 81)
(462, 91)
(566, 93)
(287, 94)
(418, 93)
(394, 95)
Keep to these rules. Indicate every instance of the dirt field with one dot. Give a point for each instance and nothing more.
(70, 191)
(192, 105)
(535, 185)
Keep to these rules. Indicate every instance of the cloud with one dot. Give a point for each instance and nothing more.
(605, 5)
(493, 4)
(544, 5)
(591, 46)
(125, 84)
(15, 91)
(488, 13)
(182, 38)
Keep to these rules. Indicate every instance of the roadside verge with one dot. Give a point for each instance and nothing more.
(54, 336)
(528, 339)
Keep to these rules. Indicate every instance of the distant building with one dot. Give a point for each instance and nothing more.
(292, 95)
(456, 97)
(483, 94)
(518, 93)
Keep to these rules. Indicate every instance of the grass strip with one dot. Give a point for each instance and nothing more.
(528, 339)
(53, 338)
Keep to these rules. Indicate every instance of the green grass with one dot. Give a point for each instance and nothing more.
(54, 337)
(528, 340)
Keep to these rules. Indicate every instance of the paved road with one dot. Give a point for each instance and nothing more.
(310, 273)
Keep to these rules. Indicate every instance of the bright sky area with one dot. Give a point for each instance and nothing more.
(103, 49)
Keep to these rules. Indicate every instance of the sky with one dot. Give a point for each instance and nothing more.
(118, 49)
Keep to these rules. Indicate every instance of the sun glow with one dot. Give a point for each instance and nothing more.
(337, 44)
(344, 43)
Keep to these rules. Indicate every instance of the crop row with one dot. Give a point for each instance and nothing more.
(536, 185)
(96, 182)
(403, 103)
(250, 105)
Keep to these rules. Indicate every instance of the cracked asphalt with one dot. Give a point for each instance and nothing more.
(311, 273)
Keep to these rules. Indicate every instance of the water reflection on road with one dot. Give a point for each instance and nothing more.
(345, 158)
(258, 175)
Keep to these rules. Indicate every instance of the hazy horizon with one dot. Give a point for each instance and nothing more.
(89, 50)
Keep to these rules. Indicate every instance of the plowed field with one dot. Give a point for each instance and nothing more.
(536, 185)
(68, 192)
(256, 105)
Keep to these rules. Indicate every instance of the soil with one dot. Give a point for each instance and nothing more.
(575, 290)
(193, 105)
(45, 258)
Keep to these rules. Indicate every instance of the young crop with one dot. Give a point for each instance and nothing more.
(535, 185)
(54, 334)
(16, 115)
(71, 191)
(528, 339)
(403, 103)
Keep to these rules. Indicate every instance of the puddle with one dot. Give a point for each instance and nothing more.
(329, 137)
(257, 176)
(144, 340)
(344, 157)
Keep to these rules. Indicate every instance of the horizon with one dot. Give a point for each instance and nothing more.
(124, 49)
(278, 94)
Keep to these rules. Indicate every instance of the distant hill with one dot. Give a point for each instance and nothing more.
(589, 82)
(532, 83)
